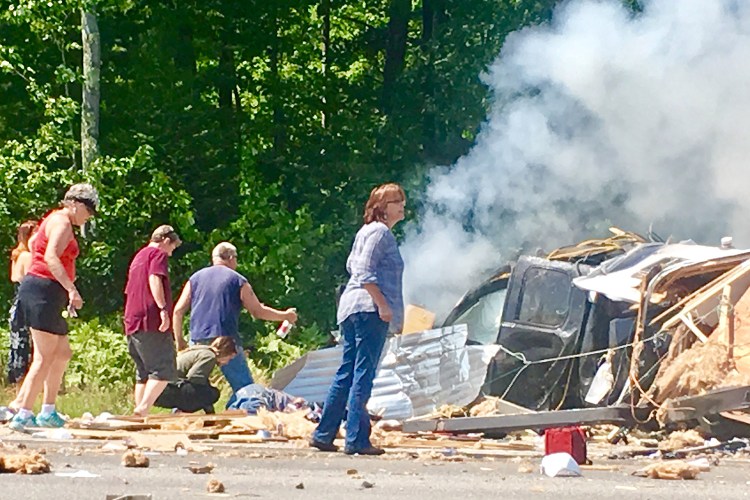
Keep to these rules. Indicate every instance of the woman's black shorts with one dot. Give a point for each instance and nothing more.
(42, 301)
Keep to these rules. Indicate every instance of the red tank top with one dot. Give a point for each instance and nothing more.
(39, 266)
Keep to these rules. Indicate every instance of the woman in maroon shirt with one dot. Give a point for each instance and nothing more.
(45, 292)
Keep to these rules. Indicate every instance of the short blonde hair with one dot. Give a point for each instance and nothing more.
(224, 251)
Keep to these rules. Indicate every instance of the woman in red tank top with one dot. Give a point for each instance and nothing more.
(46, 291)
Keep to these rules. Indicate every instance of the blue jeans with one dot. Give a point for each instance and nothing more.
(363, 339)
(236, 371)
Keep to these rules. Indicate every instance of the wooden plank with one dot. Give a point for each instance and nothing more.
(704, 305)
(250, 438)
(679, 305)
(98, 434)
(728, 274)
(726, 319)
(227, 414)
(164, 442)
(721, 264)
(110, 425)
(480, 444)
(688, 321)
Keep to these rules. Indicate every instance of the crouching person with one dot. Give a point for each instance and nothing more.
(192, 390)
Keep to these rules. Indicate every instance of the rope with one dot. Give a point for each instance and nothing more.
(526, 363)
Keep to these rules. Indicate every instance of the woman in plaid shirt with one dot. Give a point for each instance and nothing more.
(371, 305)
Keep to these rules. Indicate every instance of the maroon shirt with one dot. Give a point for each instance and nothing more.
(141, 311)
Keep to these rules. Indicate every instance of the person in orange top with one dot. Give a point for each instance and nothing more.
(45, 292)
(20, 344)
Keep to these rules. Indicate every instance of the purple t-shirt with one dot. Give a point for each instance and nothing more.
(141, 311)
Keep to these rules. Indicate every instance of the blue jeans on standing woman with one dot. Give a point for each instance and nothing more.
(363, 339)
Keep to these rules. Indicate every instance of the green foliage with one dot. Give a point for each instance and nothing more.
(100, 356)
(265, 126)
(272, 352)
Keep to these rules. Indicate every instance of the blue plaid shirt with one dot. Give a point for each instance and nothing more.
(374, 259)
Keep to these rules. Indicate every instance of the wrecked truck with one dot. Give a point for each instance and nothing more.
(533, 309)
(558, 318)
(537, 333)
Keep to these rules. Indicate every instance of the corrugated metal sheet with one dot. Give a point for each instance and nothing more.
(417, 373)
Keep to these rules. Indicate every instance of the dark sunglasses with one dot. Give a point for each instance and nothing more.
(89, 205)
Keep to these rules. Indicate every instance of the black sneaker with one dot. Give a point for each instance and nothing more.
(370, 450)
(323, 446)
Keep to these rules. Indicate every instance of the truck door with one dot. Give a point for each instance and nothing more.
(542, 319)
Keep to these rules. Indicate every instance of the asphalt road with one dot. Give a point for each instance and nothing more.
(285, 472)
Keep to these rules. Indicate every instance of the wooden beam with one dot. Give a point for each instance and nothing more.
(689, 323)
(726, 319)
(707, 301)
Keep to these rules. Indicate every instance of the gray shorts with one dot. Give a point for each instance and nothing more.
(154, 356)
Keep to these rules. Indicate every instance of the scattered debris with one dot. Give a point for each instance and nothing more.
(215, 486)
(134, 458)
(25, 463)
(114, 446)
(389, 425)
(702, 464)
(682, 439)
(351, 472)
(77, 474)
(130, 497)
(487, 406)
(673, 469)
(367, 484)
(300, 486)
(201, 469)
(163, 442)
(526, 468)
(439, 455)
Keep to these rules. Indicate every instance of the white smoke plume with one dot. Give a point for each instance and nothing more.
(601, 117)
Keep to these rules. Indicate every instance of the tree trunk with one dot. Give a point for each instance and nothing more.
(395, 49)
(274, 61)
(91, 89)
(227, 79)
(325, 7)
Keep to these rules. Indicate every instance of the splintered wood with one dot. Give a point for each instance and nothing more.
(710, 346)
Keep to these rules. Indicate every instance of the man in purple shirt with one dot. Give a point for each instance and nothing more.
(148, 304)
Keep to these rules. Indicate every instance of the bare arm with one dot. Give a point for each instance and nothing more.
(156, 285)
(20, 266)
(261, 311)
(183, 304)
(384, 310)
(23, 263)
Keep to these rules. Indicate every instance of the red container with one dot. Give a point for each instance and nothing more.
(570, 440)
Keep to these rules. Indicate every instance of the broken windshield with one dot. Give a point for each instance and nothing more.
(483, 318)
